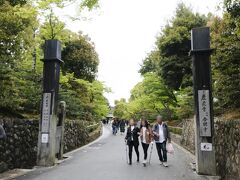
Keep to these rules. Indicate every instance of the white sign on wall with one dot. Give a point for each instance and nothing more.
(44, 138)
(204, 113)
(206, 146)
(46, 109)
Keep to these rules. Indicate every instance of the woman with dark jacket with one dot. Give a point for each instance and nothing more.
(146, 137)
(132, 140)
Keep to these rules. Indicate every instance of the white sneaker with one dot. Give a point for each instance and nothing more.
(161, 163)
(165, 164)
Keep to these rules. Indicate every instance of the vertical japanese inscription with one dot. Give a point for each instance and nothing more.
(46, 112)
(204, 113)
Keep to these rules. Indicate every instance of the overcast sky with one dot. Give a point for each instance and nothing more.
(124, 32)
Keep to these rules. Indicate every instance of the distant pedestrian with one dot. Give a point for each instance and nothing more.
(132, 139)
(146, 137)
(122, 126)
(114, 126)
(118, 123)
(161, 136)
(2, 131)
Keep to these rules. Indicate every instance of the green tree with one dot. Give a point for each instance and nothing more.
(151, 62)
(16, 20)
(81, 58)
(84, 99)
(151, 97)
(174, 45)
(225, 61)
(120, 109)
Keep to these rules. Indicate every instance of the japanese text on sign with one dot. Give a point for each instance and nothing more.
(46, 111)
(204, 113)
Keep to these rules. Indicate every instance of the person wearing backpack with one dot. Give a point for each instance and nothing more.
(161, 136)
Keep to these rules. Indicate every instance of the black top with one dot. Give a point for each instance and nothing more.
(132, 135)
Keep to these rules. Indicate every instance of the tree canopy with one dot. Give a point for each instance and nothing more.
(22, 37)
(167, 70)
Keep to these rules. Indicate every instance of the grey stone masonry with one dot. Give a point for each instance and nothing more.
(227, 145)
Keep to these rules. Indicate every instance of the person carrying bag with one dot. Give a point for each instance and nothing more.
(161, 137)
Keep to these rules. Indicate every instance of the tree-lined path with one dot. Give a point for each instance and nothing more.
(105, 159)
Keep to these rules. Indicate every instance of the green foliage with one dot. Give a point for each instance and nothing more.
(13, 2)
(121, 109)
(148, 98)
(175, 130)
(233, 7)
(48, 4)
(90, 4)
(225, 62)
(15, 40)
(174, 45)
(185, 108)
(81, 58)
(84, 100)
(171, 61)
(150, 63)
(21, 44)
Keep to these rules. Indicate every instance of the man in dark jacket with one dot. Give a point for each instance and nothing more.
(161, 136)
(132, 139)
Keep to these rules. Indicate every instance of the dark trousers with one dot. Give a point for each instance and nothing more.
(162, 151)
(131, 144)
(145, 149)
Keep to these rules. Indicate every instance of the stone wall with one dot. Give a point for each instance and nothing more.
(227, 143)
(19, 149)
(77, 135)
(188, 135)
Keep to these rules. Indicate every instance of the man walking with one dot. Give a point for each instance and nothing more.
(161, 136)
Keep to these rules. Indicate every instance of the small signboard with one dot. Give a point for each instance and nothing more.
(204, 113)
(206, 146)
(46, 109)
(44, 138)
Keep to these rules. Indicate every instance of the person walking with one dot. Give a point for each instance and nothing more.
(161, 136)
(114, 126)
(146, 138)
(122, 126)
(132, 140)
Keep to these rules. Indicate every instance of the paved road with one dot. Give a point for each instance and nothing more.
(106, 160)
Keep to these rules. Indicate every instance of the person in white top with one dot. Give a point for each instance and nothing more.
(146, 138)
(161, 136)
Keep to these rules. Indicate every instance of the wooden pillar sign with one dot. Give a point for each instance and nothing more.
(204, 120)
(48, 121)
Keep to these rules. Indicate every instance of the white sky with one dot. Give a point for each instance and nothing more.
(124, 32)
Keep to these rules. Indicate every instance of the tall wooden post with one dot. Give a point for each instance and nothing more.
(47, 132)
(204, 118)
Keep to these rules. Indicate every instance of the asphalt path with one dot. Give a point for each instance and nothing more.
(105, 159)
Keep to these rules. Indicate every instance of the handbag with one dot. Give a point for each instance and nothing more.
(170, 149)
